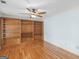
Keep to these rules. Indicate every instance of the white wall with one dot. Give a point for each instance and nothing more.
(63, 30)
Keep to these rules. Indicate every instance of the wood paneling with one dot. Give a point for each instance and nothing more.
(38, 30)
(36, 50)
(11, 29)
(31, 30)
(27, 26)
(0, 34)
(26, 30)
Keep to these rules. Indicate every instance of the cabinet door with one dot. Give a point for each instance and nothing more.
(12, 31)
(26, 30)
(38, 30)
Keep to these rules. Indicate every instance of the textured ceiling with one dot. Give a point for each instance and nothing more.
(53, 7)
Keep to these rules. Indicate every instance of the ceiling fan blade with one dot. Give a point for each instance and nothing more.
(32, 13)
(26, 13)
(29, 9)
(41, 12)
(32, 10)
(39, 15)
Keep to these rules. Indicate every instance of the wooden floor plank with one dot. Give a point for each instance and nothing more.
(36, 50)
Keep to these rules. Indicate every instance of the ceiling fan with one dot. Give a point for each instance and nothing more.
(35, 12)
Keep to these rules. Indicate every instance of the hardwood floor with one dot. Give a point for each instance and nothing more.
(36, 50)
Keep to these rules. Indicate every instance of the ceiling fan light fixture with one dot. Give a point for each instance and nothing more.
(39, 10)
(33, 16)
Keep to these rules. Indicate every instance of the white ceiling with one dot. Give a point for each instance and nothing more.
(53, 7)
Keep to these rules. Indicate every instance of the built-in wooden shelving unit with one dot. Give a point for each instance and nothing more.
(14, 31)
